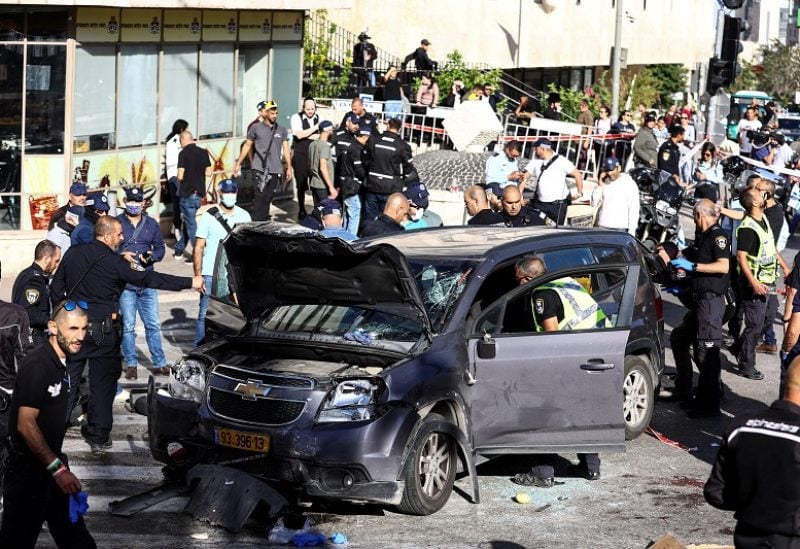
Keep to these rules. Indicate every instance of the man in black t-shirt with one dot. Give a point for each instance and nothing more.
(194, 167)
(39, 483)
(709, 263)
(478, 207)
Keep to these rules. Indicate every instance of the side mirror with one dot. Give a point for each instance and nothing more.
(487, 348)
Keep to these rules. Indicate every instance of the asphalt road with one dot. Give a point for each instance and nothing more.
(651, 490)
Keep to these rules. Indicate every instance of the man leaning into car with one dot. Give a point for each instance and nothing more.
(561, 304)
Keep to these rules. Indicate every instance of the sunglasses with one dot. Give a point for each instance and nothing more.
(70, 306)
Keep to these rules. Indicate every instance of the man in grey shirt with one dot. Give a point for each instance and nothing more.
(268, 139)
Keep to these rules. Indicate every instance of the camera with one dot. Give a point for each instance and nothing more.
(146, 259)
(761, 138)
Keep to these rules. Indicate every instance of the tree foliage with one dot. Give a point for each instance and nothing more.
(747, 79)
(454, 68)
(325, 77)
(669, 79)
(780, 75)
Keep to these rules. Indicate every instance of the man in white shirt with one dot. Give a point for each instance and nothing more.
(617, 196)
(552, 192)
(749, 122)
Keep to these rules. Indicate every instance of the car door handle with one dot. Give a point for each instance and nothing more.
(597, 365)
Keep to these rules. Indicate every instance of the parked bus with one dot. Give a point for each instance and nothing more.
(739, 103)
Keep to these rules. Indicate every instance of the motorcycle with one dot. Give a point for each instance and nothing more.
(660, 199)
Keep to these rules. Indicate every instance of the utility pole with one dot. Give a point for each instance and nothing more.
(713, 102)
(617, 62)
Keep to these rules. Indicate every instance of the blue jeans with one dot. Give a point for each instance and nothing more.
(145, 301)
(352, 212)
(374, 204)
(200, 330)
(393, 109)
(189, 207)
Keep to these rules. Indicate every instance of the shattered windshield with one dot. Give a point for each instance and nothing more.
(440, 282)
(362, 325)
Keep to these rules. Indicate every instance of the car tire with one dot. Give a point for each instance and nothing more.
(638, 397)
(429, 471)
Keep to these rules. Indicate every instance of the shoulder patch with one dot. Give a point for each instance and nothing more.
(136, 267)
(721, 242)
(32, 295)
(539, 305)
(665, 155)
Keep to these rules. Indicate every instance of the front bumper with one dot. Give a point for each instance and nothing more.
(356, 462)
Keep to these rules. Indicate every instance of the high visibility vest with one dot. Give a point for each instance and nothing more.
(581, 311)
(764, 264)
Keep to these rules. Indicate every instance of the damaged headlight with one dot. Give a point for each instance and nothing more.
(350, 400)
(187, 380)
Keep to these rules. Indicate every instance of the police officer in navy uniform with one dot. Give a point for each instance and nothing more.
(669, 154)
(31, 289)
(757, 473)
(516, 215)
(96, 274)
(709, 264)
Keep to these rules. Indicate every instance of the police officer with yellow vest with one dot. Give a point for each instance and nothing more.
(758, 262)
(709, 262)
(561, 304)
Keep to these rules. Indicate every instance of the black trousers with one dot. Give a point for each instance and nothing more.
(31, 497)
(300, 171)
(710, 310)
(557, 211)
(175, 198)
(264, 185)
(747, 537)
(102, 354)
(754, 308)
(681, 341)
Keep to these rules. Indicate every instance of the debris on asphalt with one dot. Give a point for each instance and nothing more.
(309, 539)
(523, 497)
(281, 535)
(668, 541)
(542, 508)
(200, 536)
(669, 442)
(338, 539)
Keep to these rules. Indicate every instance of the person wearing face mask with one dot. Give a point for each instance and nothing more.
(143, 246)
(96, 207)
(212, 228)
(421, 217)
(31, 289)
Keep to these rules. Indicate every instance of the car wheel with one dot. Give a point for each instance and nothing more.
(638, 395)
(430, 470)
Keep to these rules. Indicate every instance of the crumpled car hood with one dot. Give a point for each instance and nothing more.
(274, 266)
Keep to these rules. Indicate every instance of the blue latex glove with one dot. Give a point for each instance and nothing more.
(674, 290)
(683, 263)
(338, 538)
(359, 336)
(308, 539)
(78, 506)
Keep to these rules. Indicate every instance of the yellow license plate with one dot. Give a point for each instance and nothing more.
(243, 441)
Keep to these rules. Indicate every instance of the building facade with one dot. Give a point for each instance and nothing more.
(89, 92)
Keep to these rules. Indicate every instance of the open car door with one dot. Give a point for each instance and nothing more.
(553, 392)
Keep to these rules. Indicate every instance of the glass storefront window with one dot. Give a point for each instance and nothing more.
(45, 84)
(285, 81)
(47, 25)
(95, 99)
(216, 87)
(138, 95)
(252, 84)
(179, 87)
(11, 70)
(12, 25)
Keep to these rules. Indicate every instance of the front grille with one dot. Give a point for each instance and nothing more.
(264, 378)
(263, 411)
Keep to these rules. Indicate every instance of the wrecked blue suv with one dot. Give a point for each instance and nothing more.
(372, 372)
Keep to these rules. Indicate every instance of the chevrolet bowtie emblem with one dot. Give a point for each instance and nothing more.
(251, 390)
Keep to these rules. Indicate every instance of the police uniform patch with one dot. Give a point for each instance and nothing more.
(136, 267)
(539, 306)
(31, 295)
(665, 155)
(721, 242)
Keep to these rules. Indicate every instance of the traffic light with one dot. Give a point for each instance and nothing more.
(722, 70)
